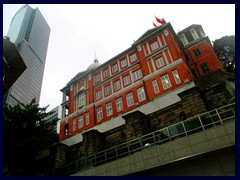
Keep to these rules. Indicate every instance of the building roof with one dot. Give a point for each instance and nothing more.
(150, 32)
(96, 65)
(189, 27)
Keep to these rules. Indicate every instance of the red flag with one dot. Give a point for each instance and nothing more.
(154, 24)
(159, 20)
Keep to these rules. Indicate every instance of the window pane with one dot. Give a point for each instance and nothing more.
(176, 76)
(130, 100)
(155, 86)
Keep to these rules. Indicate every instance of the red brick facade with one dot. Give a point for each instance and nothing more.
(155, 65)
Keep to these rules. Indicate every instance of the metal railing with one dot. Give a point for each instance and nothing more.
(190, 126)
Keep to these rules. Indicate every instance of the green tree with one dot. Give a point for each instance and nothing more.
(24, 134)
(225, 50)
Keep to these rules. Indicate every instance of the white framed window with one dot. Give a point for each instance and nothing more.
(74, 124)
(81, 100)
(119, 104)
(124, 63)
(155, 86)
(130, 100)
(87, 118)
(160, 62)
(80, 121)
(126, 80)
(166, 81)
(97, 78)
(176, 76)
(137, 74)
(141, 94)
(98, 94)
(133, 57)
(105, 73)
(114, 68)
(107, 90)
(109, 109)
(116, 85)
(194, 34)
(184, 39)
(99, 114)
(154, 46)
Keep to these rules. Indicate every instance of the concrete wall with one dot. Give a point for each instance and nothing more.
(201, 143)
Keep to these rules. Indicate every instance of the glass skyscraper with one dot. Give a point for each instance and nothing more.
(30, 32)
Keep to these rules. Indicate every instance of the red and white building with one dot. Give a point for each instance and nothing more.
(146, 77)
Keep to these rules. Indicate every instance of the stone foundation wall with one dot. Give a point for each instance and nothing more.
(192, 103)
(115, 136)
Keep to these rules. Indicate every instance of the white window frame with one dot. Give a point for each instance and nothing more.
(74, 124)
(99, 94)
(109, 109)
(87, 118)
(99, 114)
(117, 85)
(194, 33)
(114, 68)
(81, 100)
(154, 46)
(184, 39)
(126, 80)
(119, 104)
(141, 94)
(155, 86)
(133, 57)
(105, 73)
(123, 63)
(176, 76)
(130, 100)
(160, 62)
(166, 81)
(137, 74)
(107, 90)
(80, 121)
(97, 78)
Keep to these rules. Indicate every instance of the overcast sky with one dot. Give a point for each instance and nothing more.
(78, 31)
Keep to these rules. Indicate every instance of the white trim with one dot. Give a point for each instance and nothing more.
(159, 41)
(165, 58)
(170, 55)
(153, 64)
(149, 67)
(145, 54)
(164, 40)
(163, 69)
(149, 52)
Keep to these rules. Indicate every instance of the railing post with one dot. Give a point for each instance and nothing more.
(201, 122)
(154, 139)
(184, 128)
(220, 119)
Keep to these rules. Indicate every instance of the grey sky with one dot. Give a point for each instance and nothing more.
(78, 31)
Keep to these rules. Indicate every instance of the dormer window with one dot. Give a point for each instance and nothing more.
(184, 39)
(194, 33)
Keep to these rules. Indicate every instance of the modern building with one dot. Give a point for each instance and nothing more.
(30, 32)
(159, 106)
(55, 114)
